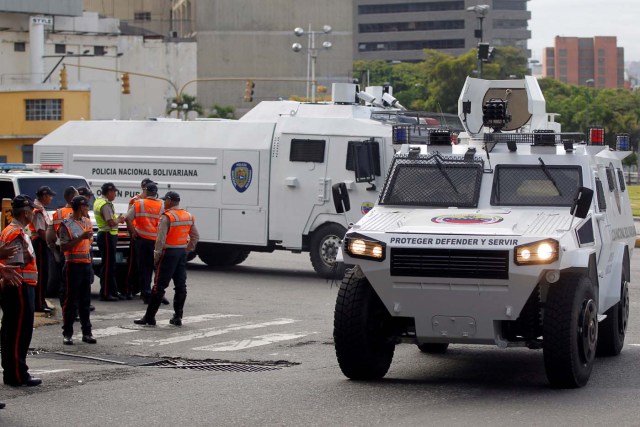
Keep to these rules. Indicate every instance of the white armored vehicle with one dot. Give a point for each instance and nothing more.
(517, 236)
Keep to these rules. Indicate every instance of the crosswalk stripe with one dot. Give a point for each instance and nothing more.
(212, 332)
(251, 342)
(119, 330)
(126, 315)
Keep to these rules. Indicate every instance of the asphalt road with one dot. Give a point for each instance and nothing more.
(264, 329)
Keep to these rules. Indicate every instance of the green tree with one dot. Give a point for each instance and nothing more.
(222, 112)
(190, 101)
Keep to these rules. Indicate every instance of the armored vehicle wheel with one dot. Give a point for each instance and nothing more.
(222, 255)
(362, 329)
(612, 330)
(434, 348)
(191, 255)
(570, 331)
(323, 249)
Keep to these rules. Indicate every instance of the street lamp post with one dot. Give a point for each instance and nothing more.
(481, 11)
(312, 54)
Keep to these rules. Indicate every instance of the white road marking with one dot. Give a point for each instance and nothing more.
(251, 342)
(49, 371)
(212, 332)
(126, 315)
(119, 330)
(635, 345)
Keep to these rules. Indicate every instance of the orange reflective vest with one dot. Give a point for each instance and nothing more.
(180, 223)
(60, 215)
(148, 213)
(29, 271)
(80, 253)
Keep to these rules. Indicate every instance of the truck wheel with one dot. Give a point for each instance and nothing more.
(570, 331)
(362, 330)
(434, 348)
(222, 255)
(325, 242)
(612, 330)
(191, 255)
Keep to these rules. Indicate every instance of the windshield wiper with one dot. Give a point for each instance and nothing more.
(446, 175)
(546, 172)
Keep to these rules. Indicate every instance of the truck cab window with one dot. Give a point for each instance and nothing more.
(6, 190)
(307, 150)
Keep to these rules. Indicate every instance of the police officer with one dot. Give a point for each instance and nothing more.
(76, 234)
(107, 240)
(142, 221)
(85, 192)
(55, 286)
(177, 235)
(38, 229)
(18, 301)
(132, 283)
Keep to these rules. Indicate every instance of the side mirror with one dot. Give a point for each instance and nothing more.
(341, 197)
(582, 202)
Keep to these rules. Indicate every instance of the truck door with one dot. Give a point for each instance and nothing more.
(242, 220)
(298, 184)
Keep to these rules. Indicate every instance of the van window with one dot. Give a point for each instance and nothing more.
(6, 190)
(29, 186)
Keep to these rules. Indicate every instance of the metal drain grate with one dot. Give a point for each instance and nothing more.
(203, 365)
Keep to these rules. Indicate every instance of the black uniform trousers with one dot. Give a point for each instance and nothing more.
(42, 262)
(77, 297)
(144, 255)
(172, 265)
(15, 333)
(107, 245)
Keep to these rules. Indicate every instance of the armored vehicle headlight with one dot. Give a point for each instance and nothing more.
(542, 252)
(367, 249)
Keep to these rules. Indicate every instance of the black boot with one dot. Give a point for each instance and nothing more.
(149, 317)
(178, 307)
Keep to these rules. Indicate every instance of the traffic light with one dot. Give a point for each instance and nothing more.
(248, 90)
(126, 89)
(483, 51)
(64, 83)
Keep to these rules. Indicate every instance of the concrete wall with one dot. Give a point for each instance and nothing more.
(244, 38)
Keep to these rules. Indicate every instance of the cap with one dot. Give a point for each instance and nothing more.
(108, 186)
(44, 190)
(171, 195)
(145, 182)
(84, 191)
(79, 201)
(69, 191)
(152, 187)
(22, 201)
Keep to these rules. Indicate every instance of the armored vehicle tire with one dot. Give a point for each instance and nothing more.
(191, 255)
(362, 329)
(434, 347)
(570, 331)
(324, 244)
(612, 330)
(222, 255)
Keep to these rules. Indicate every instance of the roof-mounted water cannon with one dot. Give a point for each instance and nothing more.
(390, 101)
(369, 98)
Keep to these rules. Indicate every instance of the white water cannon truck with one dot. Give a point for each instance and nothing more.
(261, 183)
(518, 236)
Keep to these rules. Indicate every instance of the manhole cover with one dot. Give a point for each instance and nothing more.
(204, 365)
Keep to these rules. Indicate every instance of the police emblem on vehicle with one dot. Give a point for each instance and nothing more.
(366, 207)
(467, 219)
(241, 174)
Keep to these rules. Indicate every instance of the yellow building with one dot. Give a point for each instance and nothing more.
(27, 116)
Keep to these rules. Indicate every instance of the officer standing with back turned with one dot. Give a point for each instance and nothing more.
(177, 235)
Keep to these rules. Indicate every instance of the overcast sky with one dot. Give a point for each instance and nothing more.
(585, 18)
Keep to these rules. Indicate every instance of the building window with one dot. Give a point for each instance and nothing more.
(142, 16)
(99, 50)
(413, 45)
(43, 109)
(60, 48)
(411, 26)
(562, 53)
(509, 5)
(509, 23)
(19, 47)
(411, 7)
